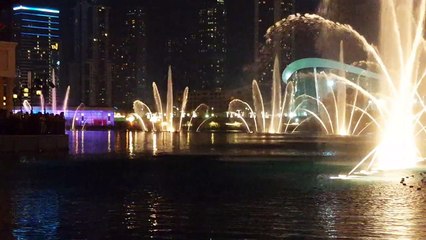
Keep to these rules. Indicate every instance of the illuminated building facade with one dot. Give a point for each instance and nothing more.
(212, 45)
(37, 32)
(91, 70)
(129, 71)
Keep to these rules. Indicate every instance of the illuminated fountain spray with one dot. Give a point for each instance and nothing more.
(65, 105)
(54, 92)
(183, 107)
(169, 105)
(280, 106)
(27, 106)
(276, 98)
(141, 109)
(74, 118)
(341, 98)
(42, 107)
(402, 49)
(165, 119)
(400, 58)
(202, 107)
(54, 96)
(157, 99)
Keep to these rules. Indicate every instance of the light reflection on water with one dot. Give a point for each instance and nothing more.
(198, 197)
(133, 143)
(36, 213)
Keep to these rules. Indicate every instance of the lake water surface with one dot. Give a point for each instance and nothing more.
(113, 186)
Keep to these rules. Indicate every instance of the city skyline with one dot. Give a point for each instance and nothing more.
(169, 44)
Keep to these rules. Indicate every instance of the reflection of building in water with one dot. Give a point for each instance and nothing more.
(93, 142)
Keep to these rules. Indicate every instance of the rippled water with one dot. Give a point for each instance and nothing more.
(191, 196)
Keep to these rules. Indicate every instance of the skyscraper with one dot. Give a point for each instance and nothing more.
(36, 30)
(91, 81)
(183, 59)
(212, 44)
(267, 12)
(129, 71)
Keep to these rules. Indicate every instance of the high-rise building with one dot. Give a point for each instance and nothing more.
(129, 71)
(91, 70)
(267, 12)
(182, 57)
(36, 30)
(212, 44)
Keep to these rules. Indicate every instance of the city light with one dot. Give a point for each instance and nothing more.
(131, 118)
(47, 10)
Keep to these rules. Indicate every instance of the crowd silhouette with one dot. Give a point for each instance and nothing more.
(31, 124)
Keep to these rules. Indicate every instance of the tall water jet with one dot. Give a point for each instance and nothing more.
(276, 116)
(286, 105)
(341, 97)
(42, 107)
(402, 47)
(276, 97)
(157, 99)
(169, 104)
(159, 116)
(259, 107)
(65, 104)
(183, 107)
(53, 92)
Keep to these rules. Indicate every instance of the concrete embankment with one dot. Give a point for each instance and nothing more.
(33, 143)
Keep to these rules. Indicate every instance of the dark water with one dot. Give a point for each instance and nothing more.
(188, 196)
